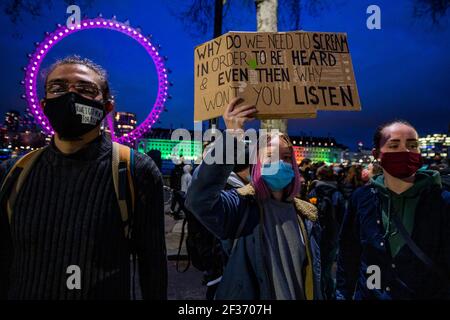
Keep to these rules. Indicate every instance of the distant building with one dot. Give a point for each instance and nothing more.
(171, 150)
(28, 122)
(362, 156)
(12, 126)
(124, 123)
(434, 144)
(20, 134)
(3, 137)
(318, 149)
(30, 140)
(12, 121)
(315, 148)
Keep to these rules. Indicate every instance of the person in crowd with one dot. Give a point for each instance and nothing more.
(339, 172)
(437, 159)
(305, 168)
(206, 251)
(372, 170)
(275, 252)
(365, 175)
(313, 173)
(186, 178)
(330, 204)
(352, 181)
(180, 195)
(305, 176)
(239, 177)
(66, 220)
(155, 155)
(395, 239)
(175, 185)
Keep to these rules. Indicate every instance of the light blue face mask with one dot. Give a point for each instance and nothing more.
(281, 178)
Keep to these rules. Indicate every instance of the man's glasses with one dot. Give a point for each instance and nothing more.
(59, 87)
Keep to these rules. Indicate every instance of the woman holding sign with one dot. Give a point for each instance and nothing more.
(271, 236)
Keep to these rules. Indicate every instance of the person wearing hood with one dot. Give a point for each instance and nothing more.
(186, 178)
(274, 236)
(330, 204)
(179, 195)
(238, 179)
(175, 185)
(395, 238)
(240, 176)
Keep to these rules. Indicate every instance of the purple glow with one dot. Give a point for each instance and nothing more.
(97, 23)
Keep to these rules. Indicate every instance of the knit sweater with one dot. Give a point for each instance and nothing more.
(66, 213)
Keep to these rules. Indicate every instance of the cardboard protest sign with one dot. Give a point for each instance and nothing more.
(285, 74)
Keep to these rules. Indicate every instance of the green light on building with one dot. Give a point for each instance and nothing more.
(190, 150)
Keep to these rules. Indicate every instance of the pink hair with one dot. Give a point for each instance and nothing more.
(262, 191)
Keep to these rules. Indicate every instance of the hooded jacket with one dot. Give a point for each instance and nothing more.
(364, 245)
(234, 181)
(402, 205)
(186, 178)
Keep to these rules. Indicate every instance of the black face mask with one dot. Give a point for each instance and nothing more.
(72, 115)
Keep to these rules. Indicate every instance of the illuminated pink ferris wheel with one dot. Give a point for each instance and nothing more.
(62, 31)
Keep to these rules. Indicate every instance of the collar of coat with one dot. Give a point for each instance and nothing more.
(305, 209)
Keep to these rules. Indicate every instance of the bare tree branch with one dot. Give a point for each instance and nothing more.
(434, 9)
(196, 15)
(290, 12)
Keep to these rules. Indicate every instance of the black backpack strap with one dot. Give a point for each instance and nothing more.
(15, 178)
(7, 185)
(179, 249)
(417, 251)
(122, 172)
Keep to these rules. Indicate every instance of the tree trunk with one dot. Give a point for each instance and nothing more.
(218, 8)
(267, 20)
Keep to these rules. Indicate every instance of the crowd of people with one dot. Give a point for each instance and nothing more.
(316, 231)
(74, 212)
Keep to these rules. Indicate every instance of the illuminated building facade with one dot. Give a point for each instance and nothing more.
(362, 156)
(12, 121)
(20, 134)
(318, 149)
(315, 148)
(160, 139)
(124, 123)
(434, 144)
(172, 149)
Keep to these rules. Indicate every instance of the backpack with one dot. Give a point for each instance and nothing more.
(203, 248)
(329, 217)
(122, 172)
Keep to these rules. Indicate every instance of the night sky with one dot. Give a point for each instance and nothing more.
(402, 70)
